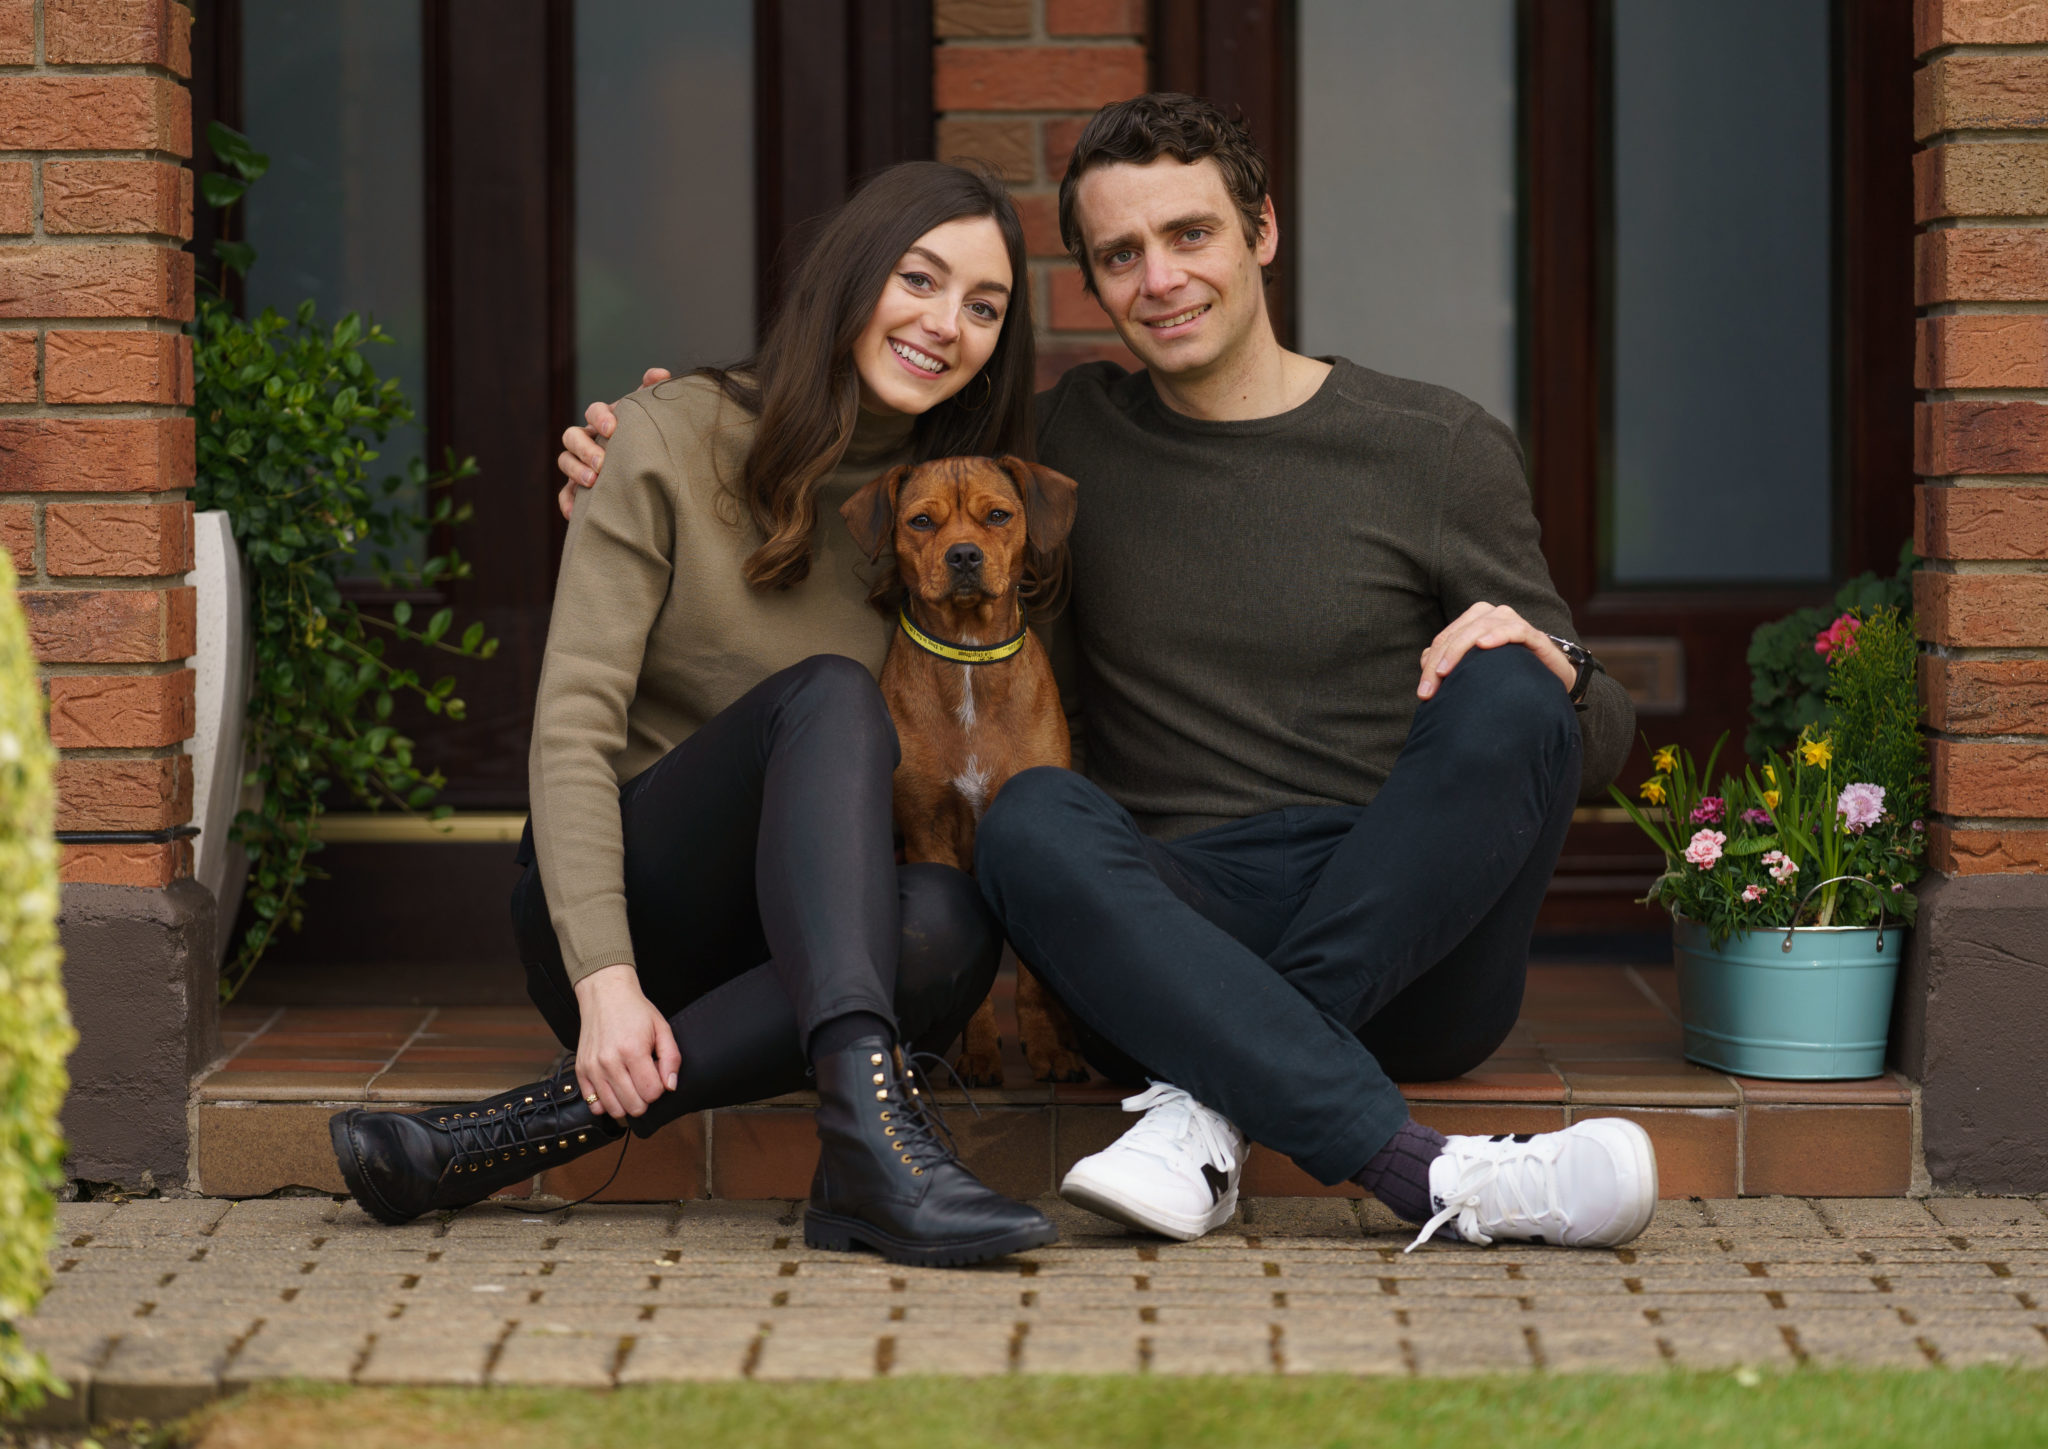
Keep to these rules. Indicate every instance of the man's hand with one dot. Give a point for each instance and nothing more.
(1488, 626)
(625, 1053)
(582, 454)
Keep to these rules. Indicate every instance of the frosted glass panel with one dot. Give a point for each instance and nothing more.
(1405, 242)
(664, 188)
(1721, 457)
(332, 93)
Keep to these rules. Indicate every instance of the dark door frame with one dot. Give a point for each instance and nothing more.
(842, 88)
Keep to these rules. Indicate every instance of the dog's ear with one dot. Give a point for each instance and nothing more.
(1048, 501)
(871, 513)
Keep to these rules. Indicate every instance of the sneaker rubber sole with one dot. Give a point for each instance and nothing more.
(1645, 1163)
(1083, 1189)
(835, 1234)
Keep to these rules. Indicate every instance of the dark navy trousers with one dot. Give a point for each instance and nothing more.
(1288, 968)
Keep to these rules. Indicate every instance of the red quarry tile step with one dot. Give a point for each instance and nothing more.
(1593, 1040)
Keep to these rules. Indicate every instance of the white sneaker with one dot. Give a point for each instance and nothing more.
(1592, 1185)
(1174, 1174)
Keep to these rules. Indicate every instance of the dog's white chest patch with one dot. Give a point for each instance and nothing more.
(965, 711)
(972, 783)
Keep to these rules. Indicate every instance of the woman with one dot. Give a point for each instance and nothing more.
(711, 903)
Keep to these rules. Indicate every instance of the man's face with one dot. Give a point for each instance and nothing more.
(1171, 263)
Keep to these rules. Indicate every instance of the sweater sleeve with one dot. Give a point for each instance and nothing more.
(1489, 549)
(616, 565)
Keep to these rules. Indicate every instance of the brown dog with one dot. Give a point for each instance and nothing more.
(969, 687)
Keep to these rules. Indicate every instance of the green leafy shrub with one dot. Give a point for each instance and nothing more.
(1873, 693)
(35, 1029)
(289, 411)
(1788, 677)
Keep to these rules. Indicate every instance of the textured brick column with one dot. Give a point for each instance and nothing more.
(1014, 81)
(1976, 1009)
(96, 457)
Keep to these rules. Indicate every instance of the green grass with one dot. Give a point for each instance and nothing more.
(1984, 1406)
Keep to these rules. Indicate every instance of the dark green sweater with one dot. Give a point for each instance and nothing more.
(1252, 598)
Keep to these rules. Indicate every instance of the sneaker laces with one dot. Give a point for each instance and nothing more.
(1177, 1129)
(1499, 1180)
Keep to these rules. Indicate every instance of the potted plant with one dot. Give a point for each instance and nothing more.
(1789, 884)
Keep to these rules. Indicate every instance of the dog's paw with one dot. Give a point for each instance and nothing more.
(1058, 1065)
(980, 1069)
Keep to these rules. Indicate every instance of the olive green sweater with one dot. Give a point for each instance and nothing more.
(655, 630)
(1252, 598)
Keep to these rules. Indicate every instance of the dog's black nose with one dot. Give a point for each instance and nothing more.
(963, 556)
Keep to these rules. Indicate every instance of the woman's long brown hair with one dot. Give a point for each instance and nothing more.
(802, 386)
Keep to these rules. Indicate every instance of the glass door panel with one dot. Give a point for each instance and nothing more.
(1405, 242)
(1721, 417)
(664, 189)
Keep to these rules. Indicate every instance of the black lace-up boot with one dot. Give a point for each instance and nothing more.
(889, 1179)
(399, 1166)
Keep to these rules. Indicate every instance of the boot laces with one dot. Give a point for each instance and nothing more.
(483, 1138)
(923, 1131)
(1508, 1185)
(1178, 1129)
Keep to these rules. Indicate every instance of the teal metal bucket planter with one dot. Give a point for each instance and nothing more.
(1819, 1012)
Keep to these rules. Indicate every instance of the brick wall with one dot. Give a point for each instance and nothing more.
(95, 379)
(1013, 81)
(1981, 437)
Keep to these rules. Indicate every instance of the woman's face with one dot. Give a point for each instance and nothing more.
(938, 318)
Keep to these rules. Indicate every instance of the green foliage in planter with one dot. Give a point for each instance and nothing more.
(35, 1029)
(289, 411)
(1873, 692)
(1788, 678)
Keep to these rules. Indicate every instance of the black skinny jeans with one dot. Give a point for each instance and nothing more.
(1287, 968)
(764, 896)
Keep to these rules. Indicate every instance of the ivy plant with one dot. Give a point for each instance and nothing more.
(289, 413)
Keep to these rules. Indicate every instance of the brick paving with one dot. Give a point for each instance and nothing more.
(158, 1305)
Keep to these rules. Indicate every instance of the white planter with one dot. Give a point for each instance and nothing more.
(223, 661)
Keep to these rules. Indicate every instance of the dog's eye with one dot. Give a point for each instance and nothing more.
(998, 515)
(922, 523)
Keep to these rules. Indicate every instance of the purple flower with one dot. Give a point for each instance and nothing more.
(1754, 816)
(1711, 810)
(1919, 824)
(1860, 806)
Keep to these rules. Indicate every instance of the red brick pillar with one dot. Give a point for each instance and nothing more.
(1976, 1008)
(1014, 81)
(96, 457)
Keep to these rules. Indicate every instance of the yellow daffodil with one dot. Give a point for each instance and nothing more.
(1770, 799)
(1817, 752)
(1770, 774)
(1653, 791)
(1665, 760)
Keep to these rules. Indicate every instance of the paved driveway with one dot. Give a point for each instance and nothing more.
(156, 1306)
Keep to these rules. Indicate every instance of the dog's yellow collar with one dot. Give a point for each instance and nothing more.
(963, 653)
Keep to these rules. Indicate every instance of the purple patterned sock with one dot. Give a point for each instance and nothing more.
(1398, 1174)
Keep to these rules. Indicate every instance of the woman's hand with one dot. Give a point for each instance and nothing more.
(625, 1054)
(582, 454)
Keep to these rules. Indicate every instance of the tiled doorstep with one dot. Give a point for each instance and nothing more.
(1593, 1041)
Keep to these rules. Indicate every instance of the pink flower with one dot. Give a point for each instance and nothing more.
(1779, 865)
(1754, 816)
(1838, 638)
(1860, 806)
(1752, 893)
(1705, 848)
(1711, 810)
(1919, 824)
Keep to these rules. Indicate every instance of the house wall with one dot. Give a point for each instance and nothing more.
(96, 460)
(1013, 82)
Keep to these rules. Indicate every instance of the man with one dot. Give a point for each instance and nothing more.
(1291, 873)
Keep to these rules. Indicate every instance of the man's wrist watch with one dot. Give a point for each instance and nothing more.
(1584, 665)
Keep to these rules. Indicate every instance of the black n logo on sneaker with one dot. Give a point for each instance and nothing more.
(1516, 1137)
(1218, 1180)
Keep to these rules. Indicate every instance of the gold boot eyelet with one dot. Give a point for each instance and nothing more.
(917, 1172)
(874, 1059)
(878, 1079)
(883, 1095)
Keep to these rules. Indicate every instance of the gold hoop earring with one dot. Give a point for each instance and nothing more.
(988, 390)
